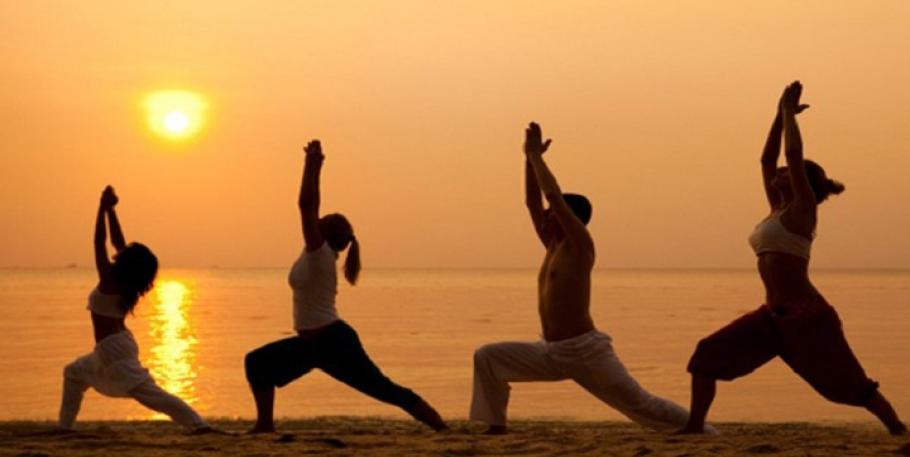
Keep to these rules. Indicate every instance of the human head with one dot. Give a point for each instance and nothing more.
(580, 206)
(134, 271)
(339, 234)
(822, 186)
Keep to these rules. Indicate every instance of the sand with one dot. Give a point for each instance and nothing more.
(387, 437)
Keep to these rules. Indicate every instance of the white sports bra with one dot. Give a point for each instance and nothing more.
(771, 236)
(107, 305)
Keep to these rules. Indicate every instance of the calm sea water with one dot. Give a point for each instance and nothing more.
(421, 327)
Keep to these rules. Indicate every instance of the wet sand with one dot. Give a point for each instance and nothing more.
(386, 437)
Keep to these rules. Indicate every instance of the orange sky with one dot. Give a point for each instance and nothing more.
(658, 113)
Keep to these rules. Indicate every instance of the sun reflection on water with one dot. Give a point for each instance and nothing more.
(172, 360)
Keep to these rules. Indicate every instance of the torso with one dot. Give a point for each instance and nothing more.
(106, 326)
(786, 278)
(785, 275)
(105, 320)
(564, 293)
(313, 279)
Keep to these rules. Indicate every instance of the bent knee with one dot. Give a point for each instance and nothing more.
(259, 372)
(485, 353)
(71, 371)
(253, 363)
(703, 352)
(708, 361)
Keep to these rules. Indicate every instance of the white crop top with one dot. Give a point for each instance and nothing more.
(107, 305)
(314, 280)
(771, 236)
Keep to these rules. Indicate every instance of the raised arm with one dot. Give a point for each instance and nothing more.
(573, 227)
(802, 211)
(534, 201)
(113, 223)
(309, 196)
(102, 261)
(769, 157)
(771, 154)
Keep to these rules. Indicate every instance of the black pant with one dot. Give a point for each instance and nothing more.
(338, 352)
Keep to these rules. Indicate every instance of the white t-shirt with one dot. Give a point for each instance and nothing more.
(314, 280)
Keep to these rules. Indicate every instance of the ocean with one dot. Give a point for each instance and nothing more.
(421, 327)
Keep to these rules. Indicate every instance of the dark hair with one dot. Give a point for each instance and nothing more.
(822, 186)
(339, 233)
(580, 205)
(134, 271)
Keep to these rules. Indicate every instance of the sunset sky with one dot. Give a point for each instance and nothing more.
(658, 112)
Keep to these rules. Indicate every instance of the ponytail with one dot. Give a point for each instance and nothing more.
(822, 186)
(352, 262)
(835, 187)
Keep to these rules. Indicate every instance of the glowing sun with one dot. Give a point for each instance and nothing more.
(175, 114)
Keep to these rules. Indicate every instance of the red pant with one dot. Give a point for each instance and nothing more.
(809, 338)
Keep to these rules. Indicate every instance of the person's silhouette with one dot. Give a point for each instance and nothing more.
(323, 340)
(571, 348)
(795, 323)
(113, 368)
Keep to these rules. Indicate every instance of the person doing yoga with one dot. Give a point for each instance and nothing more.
(113, 368)
(323, 340)
(571, 348)
(795, 323)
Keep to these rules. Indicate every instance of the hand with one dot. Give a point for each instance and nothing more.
(313, 149)
(109, 198)
(534, 143)
(789, 100)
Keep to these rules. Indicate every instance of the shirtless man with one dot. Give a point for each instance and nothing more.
(571, 348)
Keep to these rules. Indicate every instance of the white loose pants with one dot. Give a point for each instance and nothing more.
(114, 370)
(587, 359)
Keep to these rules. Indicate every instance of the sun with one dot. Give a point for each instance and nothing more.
(175, 114)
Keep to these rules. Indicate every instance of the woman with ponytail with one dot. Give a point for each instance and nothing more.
(323, 340)
(113, 368)
(795, 323)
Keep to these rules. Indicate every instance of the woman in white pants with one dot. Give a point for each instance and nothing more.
(113, 367)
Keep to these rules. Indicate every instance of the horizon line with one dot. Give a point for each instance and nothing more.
(462, 268)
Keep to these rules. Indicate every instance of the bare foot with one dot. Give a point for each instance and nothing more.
(260, 429)
(496, 430)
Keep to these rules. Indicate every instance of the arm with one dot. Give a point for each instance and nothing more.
(804, 206)
(309, 196)
(102, 262)
(573, 228)
(116, 232)
(769, 158)
(534, 202)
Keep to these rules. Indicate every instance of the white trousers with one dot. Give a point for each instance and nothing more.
(587, 359)
(113, 369)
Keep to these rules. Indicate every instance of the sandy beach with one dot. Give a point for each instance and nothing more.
(386, 437)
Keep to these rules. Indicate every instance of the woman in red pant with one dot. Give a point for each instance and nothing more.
(795, 323)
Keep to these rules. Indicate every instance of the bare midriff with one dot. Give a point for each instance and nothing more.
(786, 279)
(106, 326)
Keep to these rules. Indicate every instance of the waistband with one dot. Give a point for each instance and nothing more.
(579, 339)
(124, 334)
